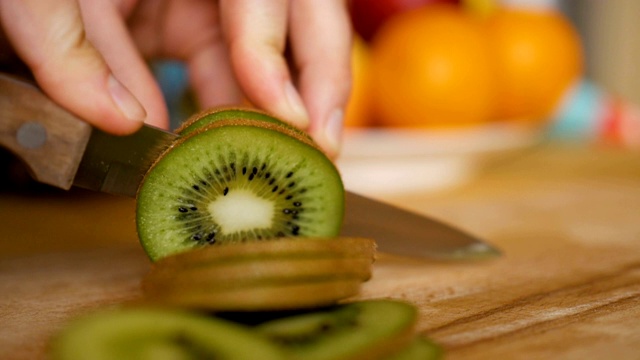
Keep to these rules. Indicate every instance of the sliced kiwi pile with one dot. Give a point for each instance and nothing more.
(361, 330)
(155, 333)
(237, 175)
(281, 274)
(375, 329)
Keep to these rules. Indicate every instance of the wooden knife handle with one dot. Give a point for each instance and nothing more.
(48, 139)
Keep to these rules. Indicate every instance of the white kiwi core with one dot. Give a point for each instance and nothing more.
(241, 210)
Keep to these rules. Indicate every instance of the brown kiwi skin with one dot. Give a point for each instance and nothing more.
(204, 113)
(202, 272)
(214, 110)
(232, 275)
(284, 247)
(271, 297)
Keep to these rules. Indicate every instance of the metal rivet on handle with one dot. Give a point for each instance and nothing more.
(31, 135)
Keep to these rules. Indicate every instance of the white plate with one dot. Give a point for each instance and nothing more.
(381, 162)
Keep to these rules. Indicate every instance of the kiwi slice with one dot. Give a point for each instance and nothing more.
(371, 329)
(234, 181)
(209, 116)
(419, 349)
(144, 333)
(277, 295)
(293, 247)
(278, 274)
(234, 274)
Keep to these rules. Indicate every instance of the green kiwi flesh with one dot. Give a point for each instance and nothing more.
(217, 114)
(235, 183)
(371, 329)
(141, 333)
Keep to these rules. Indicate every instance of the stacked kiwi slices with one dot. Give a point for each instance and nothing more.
(373, 329)
(283, 274)
(241, 219)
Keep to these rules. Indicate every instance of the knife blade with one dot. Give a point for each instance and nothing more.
(62, 150)
(117, 164)
(406, 233)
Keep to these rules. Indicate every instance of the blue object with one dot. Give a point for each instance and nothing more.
(174, 81)
(579, 115)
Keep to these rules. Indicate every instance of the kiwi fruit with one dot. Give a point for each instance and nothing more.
(234, 274)
(237, 180)
(272, 296)
(373, 329)
(292, 247)
(154, 333)
(224, 113)
(281, 274)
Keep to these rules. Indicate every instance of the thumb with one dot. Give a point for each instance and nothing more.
(50, 38)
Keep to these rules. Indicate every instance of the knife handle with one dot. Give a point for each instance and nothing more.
(47, 138)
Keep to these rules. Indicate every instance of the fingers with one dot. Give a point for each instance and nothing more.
(211, 76)
(189, 31)
(256, 34)
(49, 36)
(108, 33)
(321, 42)
(193, 34)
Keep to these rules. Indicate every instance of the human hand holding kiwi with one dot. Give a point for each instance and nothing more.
(242, 215)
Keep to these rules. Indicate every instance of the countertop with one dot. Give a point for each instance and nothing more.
(566, 216)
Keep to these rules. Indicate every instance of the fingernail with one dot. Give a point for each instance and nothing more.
(126, 102)
(296, 105)
(333, 129)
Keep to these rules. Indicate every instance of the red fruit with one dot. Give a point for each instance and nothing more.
(368, 15)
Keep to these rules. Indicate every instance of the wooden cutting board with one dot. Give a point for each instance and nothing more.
(568, 285)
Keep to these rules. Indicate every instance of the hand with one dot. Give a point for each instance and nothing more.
(89, 56)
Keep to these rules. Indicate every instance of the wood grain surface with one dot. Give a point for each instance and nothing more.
(568, 286)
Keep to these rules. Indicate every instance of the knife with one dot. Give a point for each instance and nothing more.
(61, 150)
(64, 151)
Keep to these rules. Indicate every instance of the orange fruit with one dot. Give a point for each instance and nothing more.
(480, 7)
(539, 57)
(358, 112)
(433, 67)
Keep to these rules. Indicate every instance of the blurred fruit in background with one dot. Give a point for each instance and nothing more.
(359, 109)
(368, 15)
(539, 57)
(433, 66)
(468, 63)
(480, 7)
